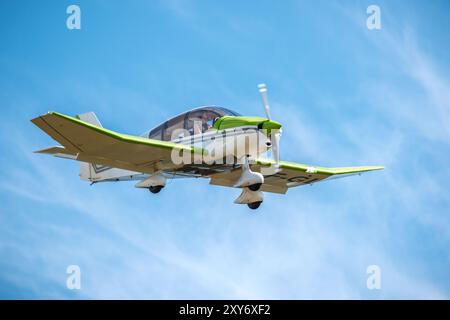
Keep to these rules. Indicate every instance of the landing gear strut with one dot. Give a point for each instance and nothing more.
(155, 189)
(251, 183)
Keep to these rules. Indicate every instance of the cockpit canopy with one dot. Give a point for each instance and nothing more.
(194, 122)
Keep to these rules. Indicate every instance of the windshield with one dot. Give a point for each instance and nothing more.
(195, 121)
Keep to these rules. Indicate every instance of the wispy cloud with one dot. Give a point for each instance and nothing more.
(190, 241)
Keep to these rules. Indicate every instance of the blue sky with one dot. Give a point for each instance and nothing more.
(345, 95)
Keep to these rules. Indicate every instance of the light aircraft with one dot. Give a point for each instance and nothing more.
(208, 142)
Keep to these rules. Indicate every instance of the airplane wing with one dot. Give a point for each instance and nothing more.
(290, 175)
(86, 142)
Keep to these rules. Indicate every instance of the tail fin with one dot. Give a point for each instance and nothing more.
(94, 172)
(89, 171)
(91, 118)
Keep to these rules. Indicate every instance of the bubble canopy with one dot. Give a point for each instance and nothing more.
(194, 121)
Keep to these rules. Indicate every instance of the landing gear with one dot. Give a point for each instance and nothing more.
(251, 183)
(254, 205)
(155, 189)
(255, 187)
(248, 178)
(154, 183)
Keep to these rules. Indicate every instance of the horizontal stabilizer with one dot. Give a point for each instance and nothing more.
(55, 150)
(59, 152)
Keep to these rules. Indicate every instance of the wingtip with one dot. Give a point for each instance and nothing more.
(355, 170)
(42, 115)
(372, 168)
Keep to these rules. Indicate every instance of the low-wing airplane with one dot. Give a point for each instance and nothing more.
(209, 142)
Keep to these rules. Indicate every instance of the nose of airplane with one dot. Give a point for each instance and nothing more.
(227, 122)
(269, 124)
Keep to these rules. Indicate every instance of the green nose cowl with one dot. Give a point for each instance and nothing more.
(270, 124)
(228, 122)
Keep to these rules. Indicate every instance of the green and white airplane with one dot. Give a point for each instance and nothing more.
(208, 142)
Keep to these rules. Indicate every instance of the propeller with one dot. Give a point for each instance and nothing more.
(275, 135)
(263, 90)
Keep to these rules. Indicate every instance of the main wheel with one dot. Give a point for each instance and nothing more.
(155, 189)
(255, 187)
(254, 205)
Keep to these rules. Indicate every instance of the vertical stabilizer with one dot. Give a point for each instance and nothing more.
(94, 172)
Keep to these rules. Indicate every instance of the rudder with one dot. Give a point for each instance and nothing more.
(87, 171)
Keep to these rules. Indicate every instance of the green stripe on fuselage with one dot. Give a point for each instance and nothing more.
(228, 122)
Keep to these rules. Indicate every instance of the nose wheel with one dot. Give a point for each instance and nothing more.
(254, 205)
(255, 187)
(155, 189)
